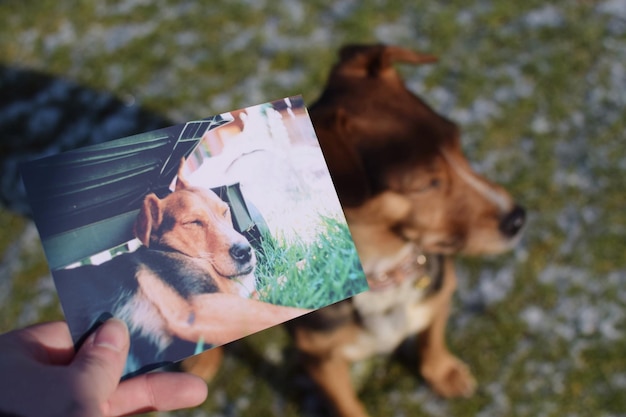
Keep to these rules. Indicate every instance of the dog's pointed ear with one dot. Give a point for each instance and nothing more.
(181, 181)
(344, 162)
(377, 60)
(149, 218)
(393, 54)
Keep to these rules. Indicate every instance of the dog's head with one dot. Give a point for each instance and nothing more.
(398, 165)
(197, 223)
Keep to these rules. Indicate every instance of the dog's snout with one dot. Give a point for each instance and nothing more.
(241, 252)
(513, 222)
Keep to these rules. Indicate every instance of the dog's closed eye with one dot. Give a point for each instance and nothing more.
(193, 222)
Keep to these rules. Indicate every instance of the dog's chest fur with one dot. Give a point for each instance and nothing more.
(143, 317)
(389, 316)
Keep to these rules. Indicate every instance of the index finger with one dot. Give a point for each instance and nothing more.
(158, 391)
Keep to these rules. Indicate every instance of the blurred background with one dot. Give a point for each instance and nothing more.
(538, 88)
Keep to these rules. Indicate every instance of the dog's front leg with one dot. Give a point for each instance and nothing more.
(446, 374)
(328, 367)
(216, 318)
(332, 374)
(221, 318)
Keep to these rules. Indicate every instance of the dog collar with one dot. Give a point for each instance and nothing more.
(412, 265)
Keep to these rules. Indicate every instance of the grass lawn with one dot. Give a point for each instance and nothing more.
(538, 89)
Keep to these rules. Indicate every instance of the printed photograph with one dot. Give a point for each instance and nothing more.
(197, 234)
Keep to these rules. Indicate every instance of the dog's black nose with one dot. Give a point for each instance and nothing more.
(513, 222)
(241, 252)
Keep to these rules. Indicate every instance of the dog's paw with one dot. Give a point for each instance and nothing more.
(449, 377)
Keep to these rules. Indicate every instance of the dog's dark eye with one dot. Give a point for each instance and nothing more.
(226, 212)
(434, 183)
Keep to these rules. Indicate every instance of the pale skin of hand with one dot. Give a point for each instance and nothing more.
(43, 376)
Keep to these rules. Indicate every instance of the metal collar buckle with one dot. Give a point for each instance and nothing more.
(414, 264)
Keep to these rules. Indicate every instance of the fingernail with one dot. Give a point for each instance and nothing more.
(113, 334)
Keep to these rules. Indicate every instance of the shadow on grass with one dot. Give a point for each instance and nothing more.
(41, 114)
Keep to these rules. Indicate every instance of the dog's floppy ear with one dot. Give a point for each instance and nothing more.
(181, 181)
(149, 218)
(344, 163)
(377, 60)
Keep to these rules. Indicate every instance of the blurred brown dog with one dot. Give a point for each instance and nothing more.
(412, 202)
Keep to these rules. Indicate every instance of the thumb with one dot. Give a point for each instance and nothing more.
(100, 360)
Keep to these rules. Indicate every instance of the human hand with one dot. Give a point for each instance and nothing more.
(42, 376)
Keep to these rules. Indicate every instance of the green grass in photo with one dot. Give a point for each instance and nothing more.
(310, 274)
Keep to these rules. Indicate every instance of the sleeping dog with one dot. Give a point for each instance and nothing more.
(191, 282)
(412, 202)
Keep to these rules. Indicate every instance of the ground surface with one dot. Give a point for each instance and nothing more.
(538, 87)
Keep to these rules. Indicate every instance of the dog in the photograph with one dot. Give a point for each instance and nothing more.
(192, 281)
(412, 202)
